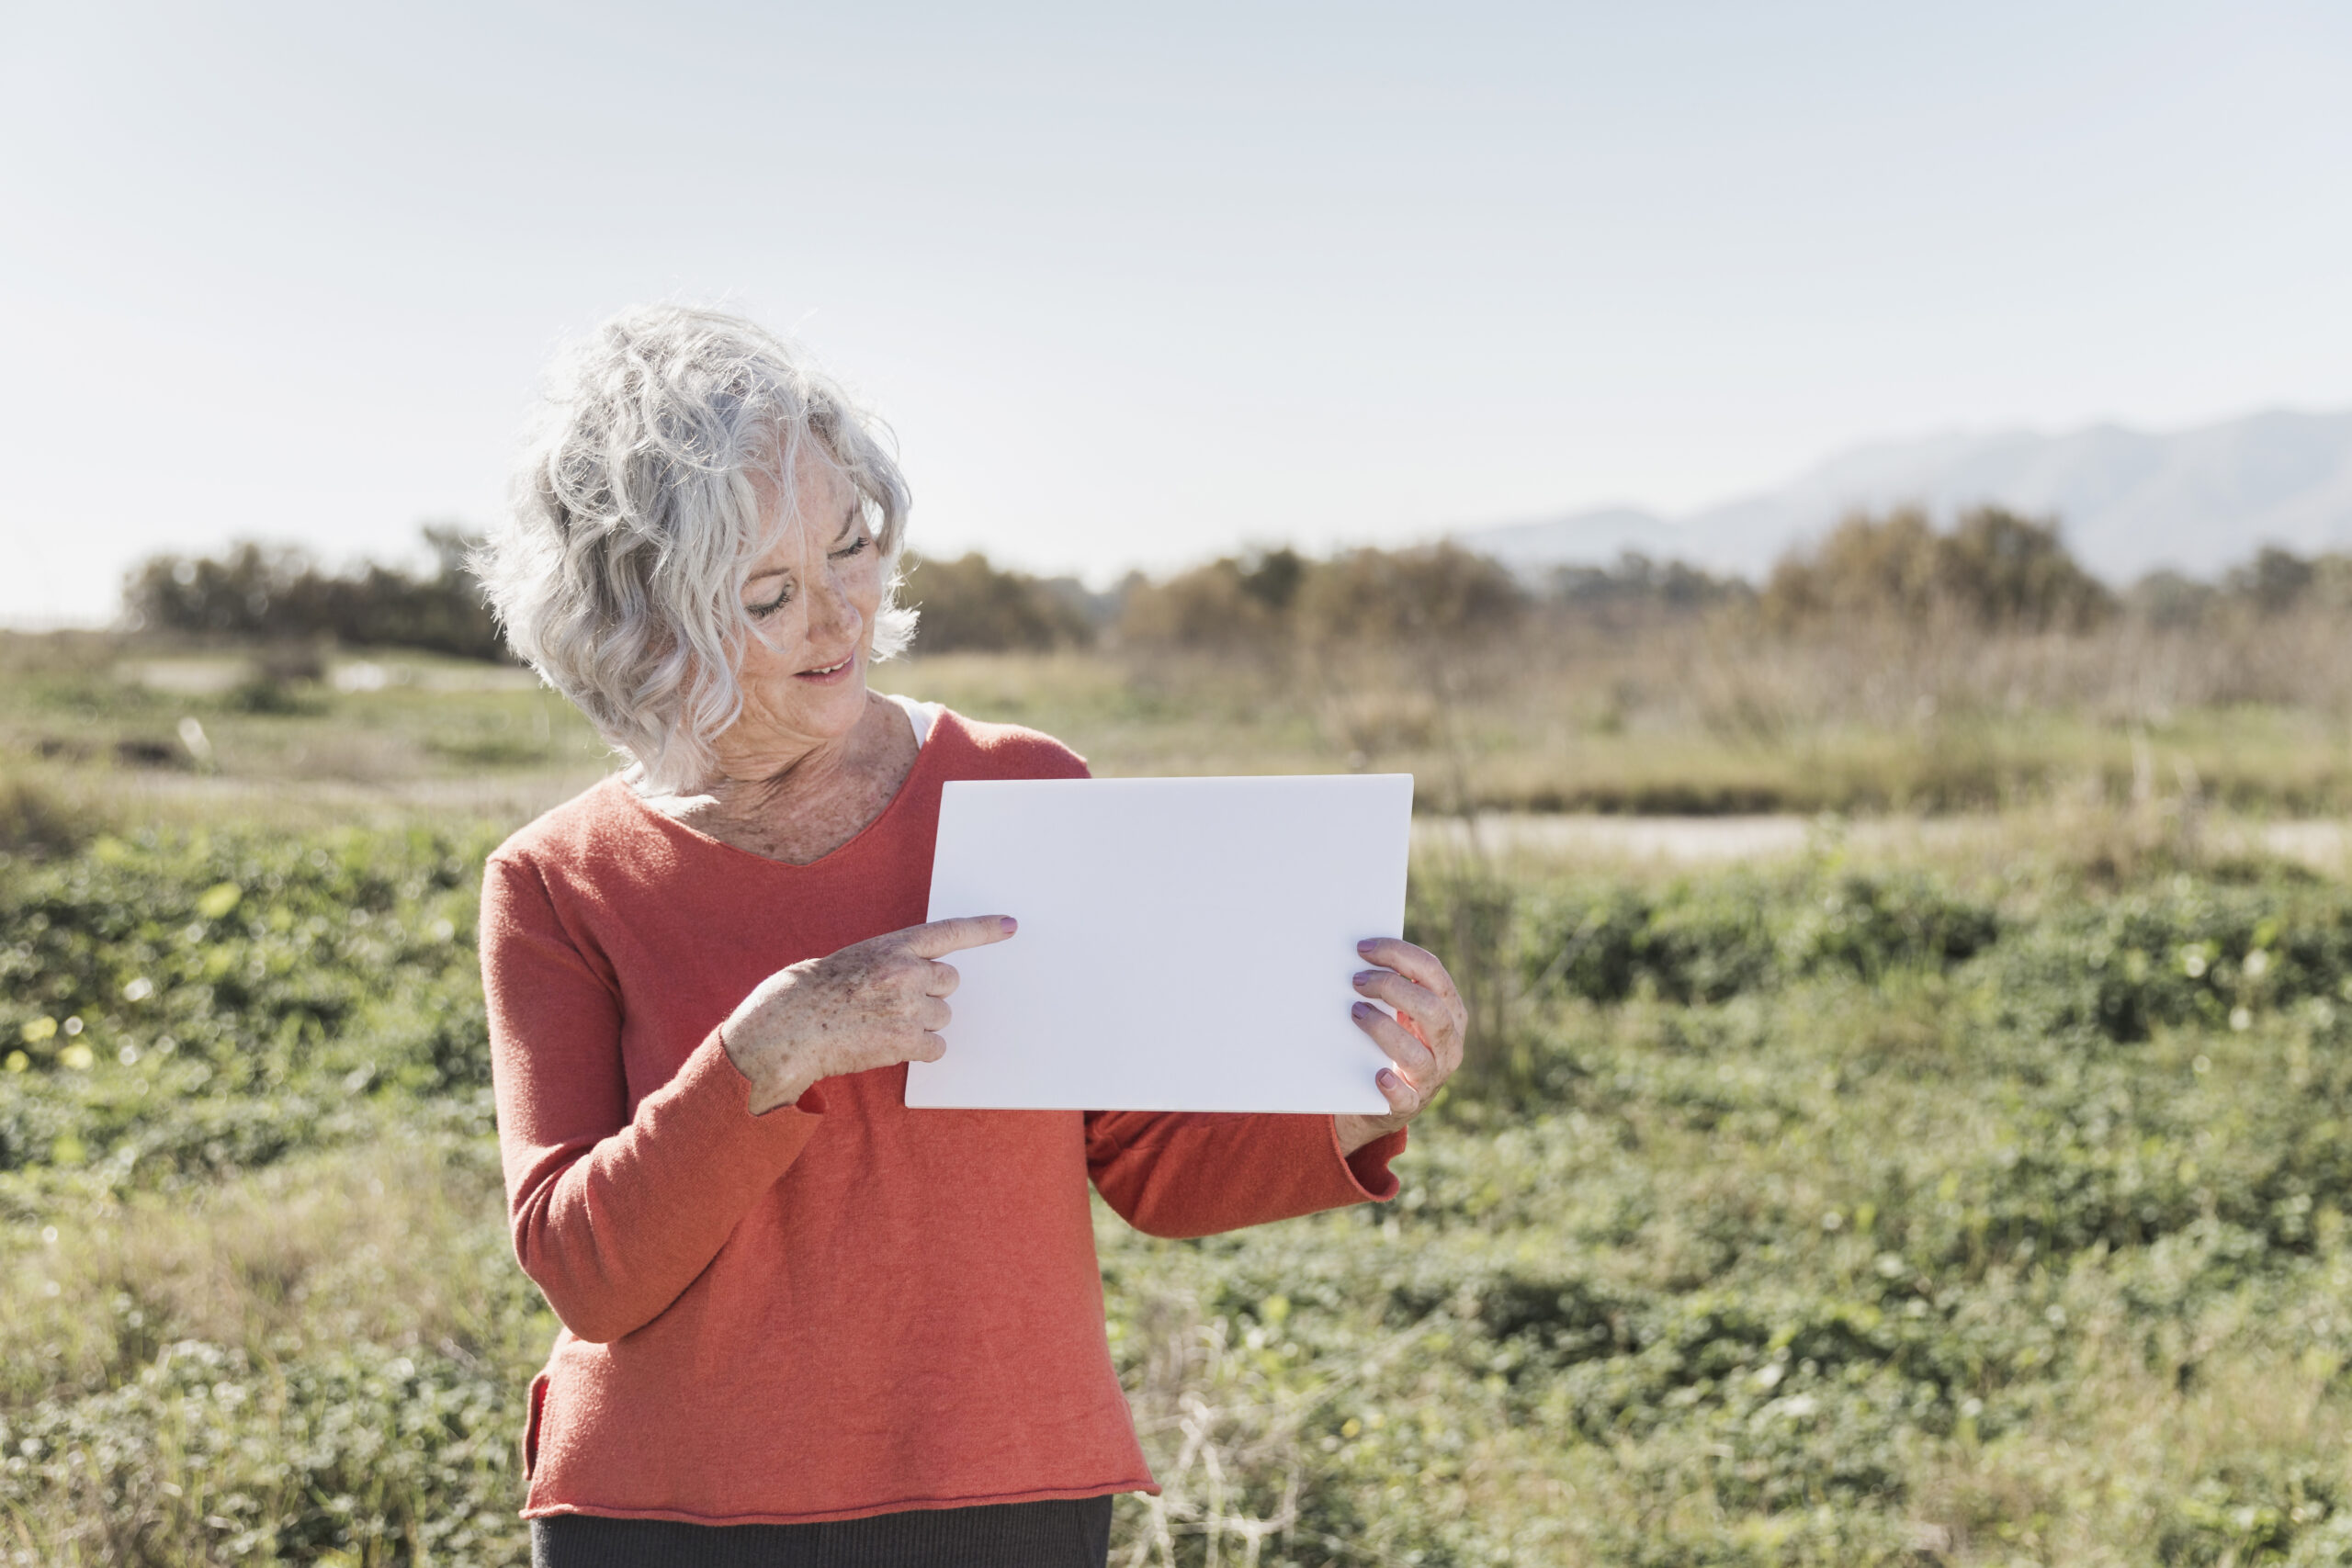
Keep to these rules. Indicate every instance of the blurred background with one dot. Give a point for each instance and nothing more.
(1845, 512)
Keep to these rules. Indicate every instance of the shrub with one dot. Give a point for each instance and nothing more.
(282, 595)
(968, 606)
(1996, 571)
(36, 821)
(1240, 605)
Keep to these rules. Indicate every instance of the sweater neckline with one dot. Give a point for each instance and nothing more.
(926, 749)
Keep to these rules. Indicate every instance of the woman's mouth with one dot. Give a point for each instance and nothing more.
(827, 674)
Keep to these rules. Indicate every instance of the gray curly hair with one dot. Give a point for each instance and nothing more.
(636, 516)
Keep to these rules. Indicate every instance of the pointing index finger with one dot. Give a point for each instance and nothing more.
(940, 938)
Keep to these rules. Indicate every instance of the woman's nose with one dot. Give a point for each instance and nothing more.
(832, 612)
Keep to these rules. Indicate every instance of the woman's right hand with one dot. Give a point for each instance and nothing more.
(873, 1004)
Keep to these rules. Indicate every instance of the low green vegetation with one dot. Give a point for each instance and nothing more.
(1834, 1213)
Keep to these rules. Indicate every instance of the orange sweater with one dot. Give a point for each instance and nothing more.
(842, 1307)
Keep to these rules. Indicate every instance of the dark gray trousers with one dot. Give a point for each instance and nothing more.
(995, 1535)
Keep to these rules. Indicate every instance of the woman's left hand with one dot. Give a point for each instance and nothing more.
(1423, 1041)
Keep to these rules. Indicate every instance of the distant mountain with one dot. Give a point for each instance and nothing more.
(1583, 538)
(2129, 502)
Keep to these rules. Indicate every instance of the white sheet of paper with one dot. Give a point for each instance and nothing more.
(1185, 944)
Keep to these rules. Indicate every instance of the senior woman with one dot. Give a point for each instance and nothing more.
(803, 1325)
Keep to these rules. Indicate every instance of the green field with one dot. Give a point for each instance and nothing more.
(1980, 1205)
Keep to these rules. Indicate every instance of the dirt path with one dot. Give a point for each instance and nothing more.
(1707, 841)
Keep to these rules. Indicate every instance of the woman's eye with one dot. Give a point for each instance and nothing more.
(857, 548)
(761, 612)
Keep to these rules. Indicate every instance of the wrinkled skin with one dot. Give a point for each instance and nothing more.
(872, 1004)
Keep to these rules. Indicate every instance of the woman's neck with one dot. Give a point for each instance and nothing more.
(799, 807)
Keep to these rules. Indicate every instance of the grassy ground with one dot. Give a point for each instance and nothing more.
(186, 734)
(1982, 1203)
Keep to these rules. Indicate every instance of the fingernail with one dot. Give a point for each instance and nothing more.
(1365, 945)
(1361, 1009)
(1009, 925)
(1365, 976)
(1387, 1079)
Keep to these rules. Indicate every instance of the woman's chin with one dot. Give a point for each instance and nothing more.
(821, 709)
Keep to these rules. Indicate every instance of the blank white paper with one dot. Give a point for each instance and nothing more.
(1185, 944)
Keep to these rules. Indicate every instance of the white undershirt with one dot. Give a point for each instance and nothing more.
(922, 716)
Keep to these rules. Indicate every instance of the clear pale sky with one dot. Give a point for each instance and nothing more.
(1134, 284)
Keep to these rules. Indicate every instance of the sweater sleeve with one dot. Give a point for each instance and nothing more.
(1189, 1173)
(613, 1215)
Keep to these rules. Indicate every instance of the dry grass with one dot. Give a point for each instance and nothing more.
(1714, 715)
(384, 1243)
(1650, 715)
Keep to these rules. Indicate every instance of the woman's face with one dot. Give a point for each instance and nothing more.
(811, 597)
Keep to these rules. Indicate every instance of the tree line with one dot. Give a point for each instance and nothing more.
(1991, 568)
(257, 592)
